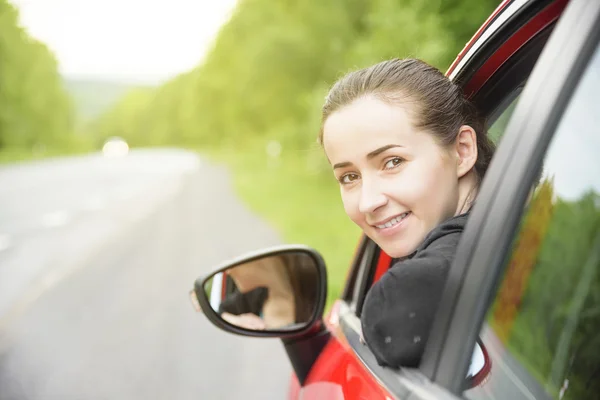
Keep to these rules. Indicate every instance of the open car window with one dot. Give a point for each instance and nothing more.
(497, 99)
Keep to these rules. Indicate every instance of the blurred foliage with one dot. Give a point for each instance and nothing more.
(547, 310)
(92, 97)
(36, 114)
(271, 64)
(523, 260)
(264, 81)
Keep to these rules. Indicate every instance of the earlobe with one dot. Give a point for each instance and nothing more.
(466, 150)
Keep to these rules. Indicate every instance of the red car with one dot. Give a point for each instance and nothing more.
(520, 314)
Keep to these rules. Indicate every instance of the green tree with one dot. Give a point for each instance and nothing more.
(269, 68)
(34, 107)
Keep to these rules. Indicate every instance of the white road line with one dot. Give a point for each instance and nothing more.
(55, 219)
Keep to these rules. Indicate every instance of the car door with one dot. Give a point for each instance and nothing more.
(493, 71)
(526, 278)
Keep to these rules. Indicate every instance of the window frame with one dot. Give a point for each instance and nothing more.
(472, 70)
(348, 292)
(477, 270)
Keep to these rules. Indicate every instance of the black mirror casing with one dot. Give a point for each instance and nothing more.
(303, 345)
(311, 326)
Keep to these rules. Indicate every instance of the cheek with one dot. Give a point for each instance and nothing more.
(413, 183)
(426, 183)
(439, 190)
(350, 201)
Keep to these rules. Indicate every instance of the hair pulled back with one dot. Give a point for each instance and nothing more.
(438, 105)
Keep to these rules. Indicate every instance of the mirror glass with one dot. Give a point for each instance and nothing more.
(274, 292)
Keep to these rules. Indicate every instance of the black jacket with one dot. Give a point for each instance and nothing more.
(241, 303)
(399, 308)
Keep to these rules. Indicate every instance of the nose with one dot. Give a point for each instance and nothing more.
(371, 197)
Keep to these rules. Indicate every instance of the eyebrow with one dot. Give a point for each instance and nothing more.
(372, 154)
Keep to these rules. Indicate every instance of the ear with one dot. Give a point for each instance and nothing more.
(466, 150)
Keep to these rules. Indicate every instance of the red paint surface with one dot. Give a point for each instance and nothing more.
(339, 366)
(513, 44)
(338, 373)
(294, 391)
(383, 264)
(477, 35)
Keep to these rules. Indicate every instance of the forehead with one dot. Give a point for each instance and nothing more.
(365, 125)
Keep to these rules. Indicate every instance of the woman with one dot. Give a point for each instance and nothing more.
(409, 152)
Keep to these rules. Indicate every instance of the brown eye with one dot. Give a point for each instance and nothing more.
(393, 162)
(348, 178)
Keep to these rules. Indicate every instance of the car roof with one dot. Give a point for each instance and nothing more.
(471, 43)
(497, 21)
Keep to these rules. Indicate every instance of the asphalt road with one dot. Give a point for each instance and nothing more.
(97, 257)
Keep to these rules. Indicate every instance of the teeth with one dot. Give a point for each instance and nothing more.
(393, 221)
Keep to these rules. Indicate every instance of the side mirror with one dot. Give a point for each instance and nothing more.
(276, 292)
(480, 367)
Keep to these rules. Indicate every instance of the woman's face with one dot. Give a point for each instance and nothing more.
(397, 183)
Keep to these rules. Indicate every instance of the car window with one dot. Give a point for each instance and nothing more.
(498, 127)
(543, 328)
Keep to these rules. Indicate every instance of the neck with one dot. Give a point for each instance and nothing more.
(468, 186)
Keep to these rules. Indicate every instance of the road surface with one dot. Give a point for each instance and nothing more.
(97, 256)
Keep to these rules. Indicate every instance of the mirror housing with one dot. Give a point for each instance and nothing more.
(267, 269)
(480, 367)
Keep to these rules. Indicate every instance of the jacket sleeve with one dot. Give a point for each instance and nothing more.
(242, 303)
(399, 308)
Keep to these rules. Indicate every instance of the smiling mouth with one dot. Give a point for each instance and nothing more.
(394, 221)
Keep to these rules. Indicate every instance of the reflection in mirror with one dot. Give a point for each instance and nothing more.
(275, 292)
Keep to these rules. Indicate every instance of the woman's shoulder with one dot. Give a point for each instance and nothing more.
(449, 230)
(401, 305)
(443, 239)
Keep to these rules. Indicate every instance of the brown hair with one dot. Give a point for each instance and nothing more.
(439, 105)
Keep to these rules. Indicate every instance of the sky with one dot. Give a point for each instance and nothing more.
(145, 41)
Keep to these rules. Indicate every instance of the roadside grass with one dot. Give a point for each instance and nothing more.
(8, 156)
(299, 199)
(16, 155)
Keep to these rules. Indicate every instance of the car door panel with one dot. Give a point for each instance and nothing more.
(338, 373)
(483, 250)
(544, 312)
(346, 369)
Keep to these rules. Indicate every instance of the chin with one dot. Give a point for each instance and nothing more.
(397, 248)
(398, 251)
(397, 254)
